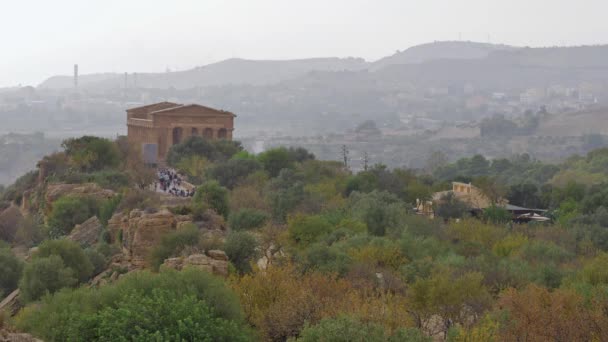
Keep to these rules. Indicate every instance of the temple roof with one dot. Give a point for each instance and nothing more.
(154, 107)
(187, 109)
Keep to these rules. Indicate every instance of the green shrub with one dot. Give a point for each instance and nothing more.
(450, 207)
(172, 243)
(90, 153)
(305, 230)
(381, 211)
(212, 150)
(347, 329)
(10, 269)
(69, 211)
(241, 250)
(497, 215)
(231, 172)
(97, 259)
(110, 179)
(275, 160)
(213, 195)
(45, 275)
(71, 254)
(190, 305)
(107, 209)
(246, 219)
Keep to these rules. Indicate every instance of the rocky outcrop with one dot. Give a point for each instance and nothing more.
(183, 220)
(6, 336)
(116, 225)
(87, 233)
(216, 262)
(212, 221)
(140, 231)
(55, 191)
(145, 231)
(217, 255)
(11, 303)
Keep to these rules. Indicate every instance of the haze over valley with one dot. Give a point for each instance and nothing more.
(431, 97)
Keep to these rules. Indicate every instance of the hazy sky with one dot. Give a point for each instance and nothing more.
(41, 38)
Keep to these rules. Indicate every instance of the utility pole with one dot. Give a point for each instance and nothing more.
(365, 161)
(345, 156)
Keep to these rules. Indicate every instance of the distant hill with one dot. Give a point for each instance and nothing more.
(451, 63)
(229, 72)
(555, 57)
(62, 82)
(440, 50)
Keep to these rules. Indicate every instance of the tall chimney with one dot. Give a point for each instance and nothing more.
(75, 76)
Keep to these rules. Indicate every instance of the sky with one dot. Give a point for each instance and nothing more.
(42, 38)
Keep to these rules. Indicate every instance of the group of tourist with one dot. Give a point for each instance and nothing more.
(170, 182)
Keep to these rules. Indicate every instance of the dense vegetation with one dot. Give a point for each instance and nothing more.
(344, 257)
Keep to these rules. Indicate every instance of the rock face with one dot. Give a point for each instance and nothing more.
(145, 231)
(54, 191)
(6, 336)
(11, 303)
(140, 231)
(212, 221)
(87, 233)
(216, 263)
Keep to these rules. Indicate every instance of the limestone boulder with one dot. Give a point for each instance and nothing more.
(87, 233)
(116, 224)
(212, 221)
(145, 231)
(199, 261)
(183, 220)
(217, 255)
(6, 336)
(11, 303)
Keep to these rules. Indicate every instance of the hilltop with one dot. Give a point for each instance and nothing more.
(89, 245)
(440, 50)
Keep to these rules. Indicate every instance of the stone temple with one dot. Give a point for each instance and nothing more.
(155, 128)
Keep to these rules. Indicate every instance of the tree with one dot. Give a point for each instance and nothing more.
(69, 211)
(454, 299)
(241, 250)
(195, 167)
(190, 305)
(90, 153)
(381, 211)
(450, 207)
(246, 219)
(233, 171)
(300, 154)
(285, 193)
(305, 230)
(543, 315)
(497, 215)
(71, 254)
(492, 188)
(349, 329)
(214, 196)
(45, 275)
(275, 160)
(212, 150)
(595, 271)
(525, 195)
(10, 268)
